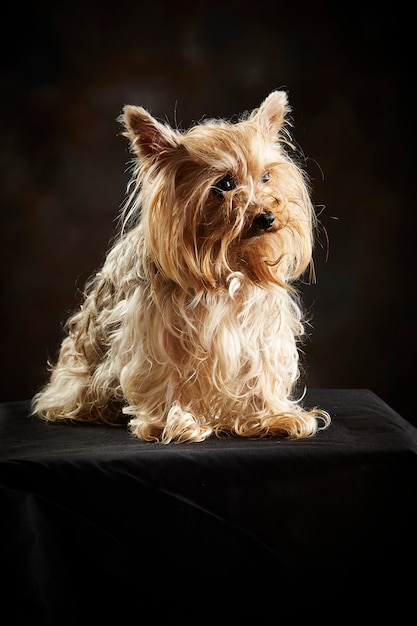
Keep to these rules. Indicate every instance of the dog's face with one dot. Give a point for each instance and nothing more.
(221, 198)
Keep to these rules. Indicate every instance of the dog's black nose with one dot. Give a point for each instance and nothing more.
(265, 220)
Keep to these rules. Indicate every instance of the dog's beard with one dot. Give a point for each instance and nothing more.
(276, 255)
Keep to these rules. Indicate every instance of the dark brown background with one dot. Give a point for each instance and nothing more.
(67, 72)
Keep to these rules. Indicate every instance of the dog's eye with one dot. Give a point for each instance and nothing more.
(224, 184)
(265, 178)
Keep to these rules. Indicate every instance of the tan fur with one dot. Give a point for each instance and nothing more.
(191, 327)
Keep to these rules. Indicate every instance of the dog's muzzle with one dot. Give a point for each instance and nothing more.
(264, 221)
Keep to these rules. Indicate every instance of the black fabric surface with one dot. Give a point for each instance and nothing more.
(97, 525)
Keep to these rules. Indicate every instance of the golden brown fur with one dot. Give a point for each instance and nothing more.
(191, 326)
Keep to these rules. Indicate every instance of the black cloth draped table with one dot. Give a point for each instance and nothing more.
(97, 526)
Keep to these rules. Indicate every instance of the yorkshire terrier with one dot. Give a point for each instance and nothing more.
(192, 326)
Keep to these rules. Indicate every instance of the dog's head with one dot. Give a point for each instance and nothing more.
(221, 197)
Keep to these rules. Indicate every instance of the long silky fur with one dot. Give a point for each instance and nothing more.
(192, 326)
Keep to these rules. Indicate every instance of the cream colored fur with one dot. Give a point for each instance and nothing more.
(191, 327)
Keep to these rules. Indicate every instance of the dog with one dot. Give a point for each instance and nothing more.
(193, 325)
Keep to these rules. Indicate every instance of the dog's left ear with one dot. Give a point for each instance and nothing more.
(272, 113)
(148, 137)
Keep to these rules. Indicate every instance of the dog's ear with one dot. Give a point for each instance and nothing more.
(148, 137)
(272, 114)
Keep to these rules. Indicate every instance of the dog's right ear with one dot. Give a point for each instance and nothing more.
(148, 137)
